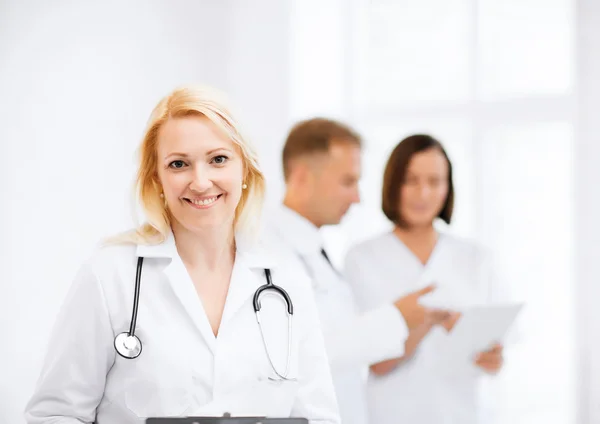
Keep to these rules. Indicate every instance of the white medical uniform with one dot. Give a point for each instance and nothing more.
(353, 340)
(183, 370)
(421, 390)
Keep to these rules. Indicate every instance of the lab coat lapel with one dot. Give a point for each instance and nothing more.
(185, 291)
(181, 283)
(244, 283)
(247, 276)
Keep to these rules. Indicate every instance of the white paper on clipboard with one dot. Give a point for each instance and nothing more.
(477, 330)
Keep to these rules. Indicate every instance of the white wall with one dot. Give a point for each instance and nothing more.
(258, 78)
(587, 203)
(77, 82)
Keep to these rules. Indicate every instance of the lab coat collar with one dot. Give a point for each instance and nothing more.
(250, 258)
(166, 249)
(298, 231)
(248, 248)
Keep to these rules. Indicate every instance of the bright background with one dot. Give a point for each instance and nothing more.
(512, 88)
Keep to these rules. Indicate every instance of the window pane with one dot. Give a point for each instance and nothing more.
(317, 58)
(527, 220)
(418, 52)
(525, 47)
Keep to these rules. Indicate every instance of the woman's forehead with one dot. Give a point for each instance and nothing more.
(193, 134)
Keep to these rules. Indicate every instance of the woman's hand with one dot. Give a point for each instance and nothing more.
(415, 336)
(385, 367)
(490, 361)
(450, 321)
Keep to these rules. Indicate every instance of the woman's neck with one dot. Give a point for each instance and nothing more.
(420, 240)
(208, 249)
(417, 233)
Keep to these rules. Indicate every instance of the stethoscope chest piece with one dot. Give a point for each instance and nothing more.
(129, 347)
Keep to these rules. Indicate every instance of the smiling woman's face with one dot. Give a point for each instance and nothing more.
(201, 173)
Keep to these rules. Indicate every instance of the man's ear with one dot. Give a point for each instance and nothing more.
(298, 171)
(305, 169)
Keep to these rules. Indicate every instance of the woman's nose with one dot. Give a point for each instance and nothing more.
(201, 180)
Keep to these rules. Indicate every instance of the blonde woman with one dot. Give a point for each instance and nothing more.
(161, 322)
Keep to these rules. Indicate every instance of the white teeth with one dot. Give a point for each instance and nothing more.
(204, 202)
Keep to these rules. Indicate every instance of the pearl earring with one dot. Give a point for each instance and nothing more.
(162, 195)
(244, 186)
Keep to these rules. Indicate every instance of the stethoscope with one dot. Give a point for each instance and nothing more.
(129, 346)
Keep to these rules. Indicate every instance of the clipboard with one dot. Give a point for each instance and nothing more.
(476, 331)
(226, 420)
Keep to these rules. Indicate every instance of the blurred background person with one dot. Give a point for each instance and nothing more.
(321, 161)
(418, 189)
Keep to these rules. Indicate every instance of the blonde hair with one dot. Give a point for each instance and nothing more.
(187, 101)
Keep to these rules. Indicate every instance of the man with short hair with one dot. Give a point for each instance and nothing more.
(321, 164)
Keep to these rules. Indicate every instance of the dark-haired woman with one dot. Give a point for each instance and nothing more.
(421, 387)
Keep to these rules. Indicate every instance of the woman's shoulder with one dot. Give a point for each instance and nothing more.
(112, 253)
(285, 273)
(284, 266)
(105, 253)
(461, 242)
(102, 267)
(261, 252)
(370, 246)
(465, 246)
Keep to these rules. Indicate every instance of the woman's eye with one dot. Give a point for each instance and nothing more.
(177, 164)
(220, 160)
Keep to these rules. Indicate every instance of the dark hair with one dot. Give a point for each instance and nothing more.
(395, 174)
(315, 136)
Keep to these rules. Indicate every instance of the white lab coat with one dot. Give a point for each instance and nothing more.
(353, 340)
(421, 390)
(183, 370)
